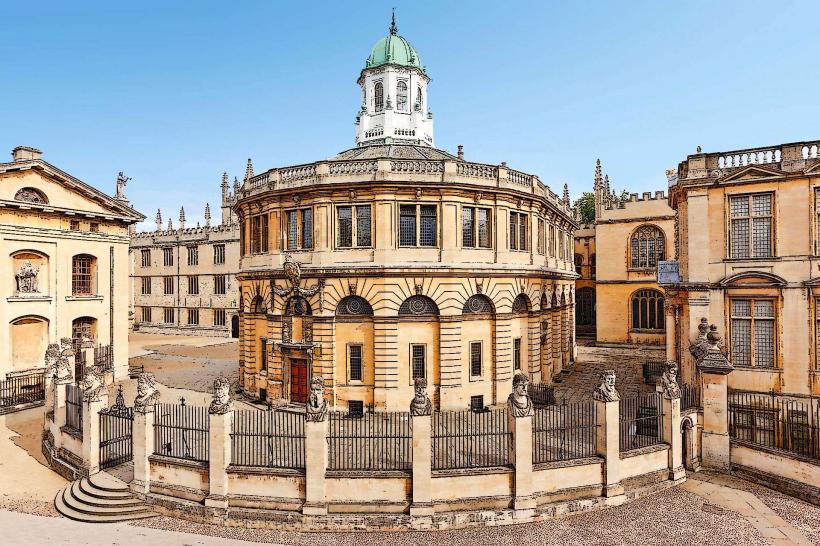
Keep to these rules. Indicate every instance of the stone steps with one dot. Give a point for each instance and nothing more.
(100, 499)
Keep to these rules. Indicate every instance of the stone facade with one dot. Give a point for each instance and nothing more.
(625, 243)
(65, 248)
(418, 263)
(748, 258)
(194, 291)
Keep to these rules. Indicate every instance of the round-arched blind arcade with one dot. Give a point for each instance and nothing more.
(646, 247)
(647, 310)
(478, 304)
(354, 305)
(521, 304)
(418, 306)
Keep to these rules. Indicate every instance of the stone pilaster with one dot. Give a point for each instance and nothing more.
(422, 467)
(608, 433)
(219, 457)
(91, 431)
(315, 468)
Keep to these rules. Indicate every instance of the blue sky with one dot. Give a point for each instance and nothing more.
(175, 93)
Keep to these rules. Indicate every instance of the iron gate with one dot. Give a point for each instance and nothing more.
(116, 425)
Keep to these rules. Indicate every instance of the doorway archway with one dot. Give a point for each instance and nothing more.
(235, 326)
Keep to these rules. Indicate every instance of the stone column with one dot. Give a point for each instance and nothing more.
(219, 444)
(315, 450)
(142, 432)
(519, 419)
(671, 420)
(58, 399)
(93, 402)
(715, 368)
(607, 401)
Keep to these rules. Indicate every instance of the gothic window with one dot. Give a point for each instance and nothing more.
(521, 304)
(31, 195)
(475, 226)
(401, 97)
(752, 334)
(750, 226)
(146, 285)
(418, 306)
(193, 255)
(83, 275)
(354, 305)
(378, 97)
(219, 317)
(646, 247)
(579, 264)
(353, 226)
(193, 285)
(220, 285)
(145, 255)
(298, 306)
(478, 304)
(168, 315)
(647, 310)
(193, 317)
(167, 257)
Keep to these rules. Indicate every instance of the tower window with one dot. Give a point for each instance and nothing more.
(378, 97)
(401, 97)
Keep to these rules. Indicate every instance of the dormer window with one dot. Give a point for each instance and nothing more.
(401, 97)
(378, 97)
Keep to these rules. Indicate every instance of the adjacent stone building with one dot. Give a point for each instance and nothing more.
(184, 279)
(749, 257)
(65, 254)
(617, 257)
(395, 260)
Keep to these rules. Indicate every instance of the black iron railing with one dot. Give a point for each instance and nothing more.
(541, 394)
(104, 357)
(640, 421)
(564, 432)
(181, 431)
(690, 397)
(468, 439)
(270, 439)
(22, 389)
(370, 441)
(652, 371)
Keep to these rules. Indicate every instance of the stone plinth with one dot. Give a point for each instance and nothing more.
(609, 446)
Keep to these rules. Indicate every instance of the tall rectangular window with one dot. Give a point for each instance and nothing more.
(220, 285)
(168, 285)
(353, 224)
(307, 228)
(468, 226)
(475, 226)
(475, 359)
(263, 354)
(483, 220)
(168, 315)
(518, 231)
(418, 361)
(344, 221)
(219, 317)
(517, 353)
(167, 257)
(193, 317)
(750, 226)
(145, 285)
(146, 314)
(540, 236)
(82, 275)
(753, 332)
(552, 241)
(74, 225)
(259, 233)
(561, 243)
(355, 362)
(193, 285)
(193, 255)
(363, 225)
(145, 255)
(299, 229)
(407, 225)
(428, 228)
(219, 254)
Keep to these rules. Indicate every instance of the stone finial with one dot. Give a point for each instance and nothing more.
(92, 384)
(566, 194)
(669, 380)
(598, 174)
(170, 225)
(420, 404)
(221, 403)
(519, 403)
(700, 346)
(236, 185)
(606, 184)
(316, 408)
(158, 220)
(393, 29)
(224, 187)
(715, 361)
(249, 170)
(606, 392)
(147, 393)
(181, 218)
(207, 214)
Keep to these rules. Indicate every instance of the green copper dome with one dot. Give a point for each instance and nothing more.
(393, 49)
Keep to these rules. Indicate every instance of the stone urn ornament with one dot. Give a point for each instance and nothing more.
(316, 408)
(420, 405)
(519, 403)
(606, 392)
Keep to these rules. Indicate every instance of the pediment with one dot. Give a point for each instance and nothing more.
(39, 185)
(753, 279)
(752, 172)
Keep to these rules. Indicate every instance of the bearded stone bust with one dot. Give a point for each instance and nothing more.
(147, 393)
(669, 381)
(317, 405)
(221, 403)
(420, 405)
(92, 384)
(519, 403)
(606, 392)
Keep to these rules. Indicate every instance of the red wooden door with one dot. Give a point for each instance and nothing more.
(298, 380)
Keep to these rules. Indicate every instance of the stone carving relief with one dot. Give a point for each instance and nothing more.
(30, 195)
(57, 367)
(293, 274)
(700, 346)
(606, 392)
(519, 403)
(669, 381)
(92, 384)
(221, 402)
(316, 409)
(26, 278)
(420, 405)
(147, 393)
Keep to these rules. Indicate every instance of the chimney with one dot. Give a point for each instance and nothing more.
(460, 152)
(25, 153)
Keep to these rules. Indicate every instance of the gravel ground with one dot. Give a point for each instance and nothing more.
(683, 520)
(188, 366)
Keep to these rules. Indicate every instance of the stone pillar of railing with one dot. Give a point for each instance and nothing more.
(315, 450)
(519, 415)
(87, 348)
(219, 444)
(607, 401)
(715, 369)
(671, 419)
(142, 432)
(59, 386)
(421, 410)
(94, 399)
(671, 333)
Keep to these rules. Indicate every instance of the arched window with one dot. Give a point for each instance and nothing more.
(646, 247)
(378, 97)
(401, 97)
(84, 327)
(31, 195)
(354, 305)
(647, 310)
(258, 305)
(521, 304)
(83, 275)
(298, 307)
(478, 304)
(579, 264)
(418, 306)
